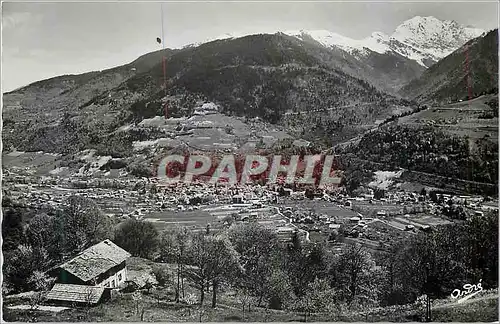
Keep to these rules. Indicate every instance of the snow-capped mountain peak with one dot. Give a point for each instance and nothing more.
(329, 39)
(434, 37)
(425, 40)
(380, 36)
(422, 39)
(220, 37)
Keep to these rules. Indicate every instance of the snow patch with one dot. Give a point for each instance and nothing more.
(155, 121)
(139, 145)
(206, 109)
(124, 128)
(168, 142)
(384, 179)
(420, 39)
(58, 170)
(163, 142)
(352, 46)
(94, 163)
(88, 155)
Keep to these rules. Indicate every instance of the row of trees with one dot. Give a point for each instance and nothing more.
(403, 114)
(250, 260)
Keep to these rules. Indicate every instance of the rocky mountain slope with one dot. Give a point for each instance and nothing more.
(389, 61)
(325, 85)
(387, 71)
(472, 68)
(256, 76)
(424, 40)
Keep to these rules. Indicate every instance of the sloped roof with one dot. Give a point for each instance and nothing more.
(96, 260)
(76, 293)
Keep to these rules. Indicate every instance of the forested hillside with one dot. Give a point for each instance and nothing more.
(255, 76)
(472, 68)
(430, 150)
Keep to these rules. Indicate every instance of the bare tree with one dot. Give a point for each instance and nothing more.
(201, 312)
(36, 299)
(222, 263)
(198, 257)
(41, 283)
(246, 300)
(214, 261)
(256, 248)
(174, 246)
(318, 297)
(157, 295)
(351, 273)
(137, 298)
(139, 304)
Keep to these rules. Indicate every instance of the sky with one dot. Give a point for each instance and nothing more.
(46, 39)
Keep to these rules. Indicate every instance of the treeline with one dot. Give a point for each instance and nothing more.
(34, 243)
(250, 260)
(403, 114)
(454, 255)
(259, 75)
(426, 149)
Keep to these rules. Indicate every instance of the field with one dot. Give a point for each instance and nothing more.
(215, 132)
(460, 119)
(192, 219)
(213, 215)
(481, 309)
(429, 220)
(370, 210)
(320, 207)
(43, 162)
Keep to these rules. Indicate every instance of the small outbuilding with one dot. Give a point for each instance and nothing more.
(75, 294)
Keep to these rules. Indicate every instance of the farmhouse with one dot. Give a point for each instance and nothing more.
(100, 265)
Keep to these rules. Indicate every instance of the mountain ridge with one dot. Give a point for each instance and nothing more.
(470, 70)
(256, 76)
(424, 40)
(369, 51)
(265, 76)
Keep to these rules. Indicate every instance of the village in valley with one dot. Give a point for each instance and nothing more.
(282, 177)
(107, 275)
